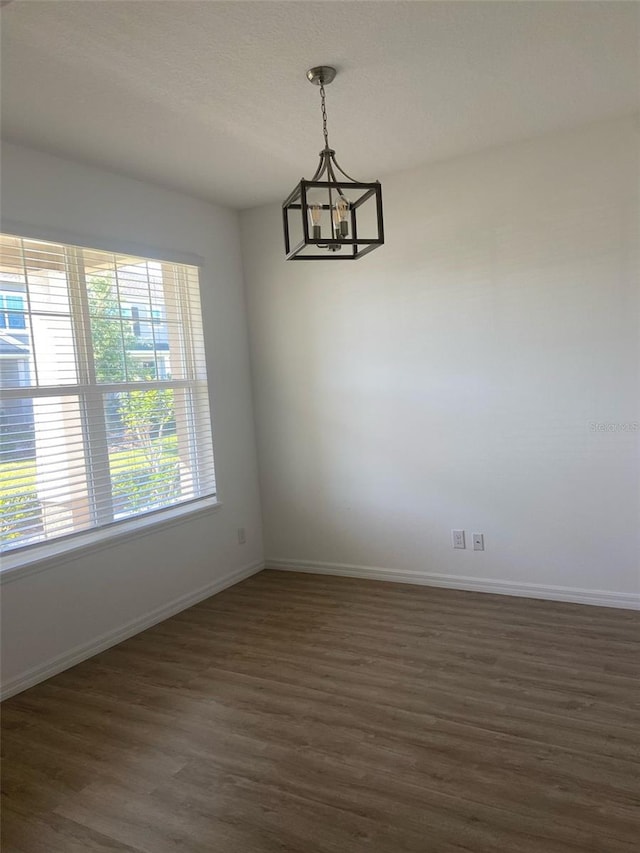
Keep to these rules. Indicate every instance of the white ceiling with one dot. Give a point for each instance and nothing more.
(211, 97)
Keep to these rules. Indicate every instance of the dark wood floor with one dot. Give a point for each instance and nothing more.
(328, 715)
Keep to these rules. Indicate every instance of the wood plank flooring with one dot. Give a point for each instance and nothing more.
(309, 714)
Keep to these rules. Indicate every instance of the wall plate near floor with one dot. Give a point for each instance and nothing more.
(478, 541)
(457, 539)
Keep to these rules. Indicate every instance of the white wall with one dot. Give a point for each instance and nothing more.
(60, 614)
(449, 379)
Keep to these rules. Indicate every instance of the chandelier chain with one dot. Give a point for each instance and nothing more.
(324, 114)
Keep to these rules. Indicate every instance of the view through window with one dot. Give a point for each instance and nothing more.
(104, 413)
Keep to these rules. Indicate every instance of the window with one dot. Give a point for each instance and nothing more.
(103, 418)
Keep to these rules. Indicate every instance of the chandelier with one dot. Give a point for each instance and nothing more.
(332, 217)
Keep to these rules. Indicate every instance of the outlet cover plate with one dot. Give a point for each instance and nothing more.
(457, 539)
(478, 541)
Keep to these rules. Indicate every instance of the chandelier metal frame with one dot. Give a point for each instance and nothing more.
(343, 239)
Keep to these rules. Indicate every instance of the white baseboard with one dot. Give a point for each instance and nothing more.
(76, 655)
(601, 598)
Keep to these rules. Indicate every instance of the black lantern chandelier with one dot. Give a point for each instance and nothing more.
(332, 217)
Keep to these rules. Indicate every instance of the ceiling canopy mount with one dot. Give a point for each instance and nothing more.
(321, 75)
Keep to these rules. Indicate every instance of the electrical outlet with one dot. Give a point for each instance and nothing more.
(242, 536)
(457, 537)
(478, 541)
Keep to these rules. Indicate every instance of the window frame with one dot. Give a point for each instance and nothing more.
(40, 555)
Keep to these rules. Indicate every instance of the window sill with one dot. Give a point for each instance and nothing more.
(50, 554)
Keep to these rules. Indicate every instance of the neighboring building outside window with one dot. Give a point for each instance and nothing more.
(104, 413)
(11, 311)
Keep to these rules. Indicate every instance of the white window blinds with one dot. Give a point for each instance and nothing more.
(104, 413)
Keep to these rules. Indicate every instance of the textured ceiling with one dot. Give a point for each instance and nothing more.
(211, 97)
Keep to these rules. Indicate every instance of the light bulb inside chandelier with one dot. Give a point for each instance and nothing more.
(349, 233)
(341, 217)
(315, 216)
